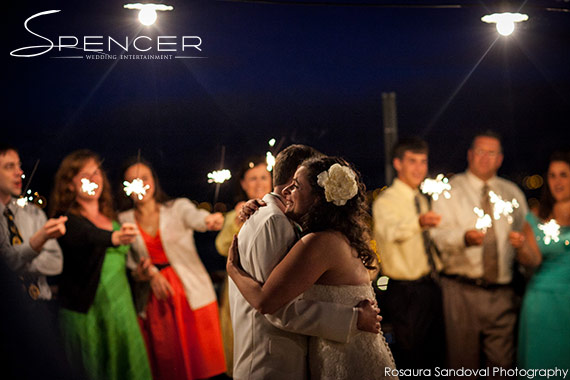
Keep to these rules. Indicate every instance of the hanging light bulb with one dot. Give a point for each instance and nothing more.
(505, 22)
(147, 11)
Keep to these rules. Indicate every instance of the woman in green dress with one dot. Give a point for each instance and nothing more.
(544, 330)
(97, 317)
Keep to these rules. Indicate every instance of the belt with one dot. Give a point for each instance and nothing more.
(162, 266)
(479, 282)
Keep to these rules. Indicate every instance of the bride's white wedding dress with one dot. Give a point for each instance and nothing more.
(366, 357)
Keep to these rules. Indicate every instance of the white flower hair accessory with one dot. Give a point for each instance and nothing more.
(339, 183)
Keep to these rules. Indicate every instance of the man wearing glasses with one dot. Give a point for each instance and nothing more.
(478, 299)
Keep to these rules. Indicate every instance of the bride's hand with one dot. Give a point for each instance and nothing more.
(232, 264)
(368, 316)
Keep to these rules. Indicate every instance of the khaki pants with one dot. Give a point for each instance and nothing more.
(479, 325)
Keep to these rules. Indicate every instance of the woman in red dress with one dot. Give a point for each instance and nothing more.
(177, 305)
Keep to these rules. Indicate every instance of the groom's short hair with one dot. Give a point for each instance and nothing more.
(288, 160)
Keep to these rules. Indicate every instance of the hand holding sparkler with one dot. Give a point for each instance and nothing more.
(215, 221)
(516, 239)
(473, 237)
(429, 219)
(52, 229)
(126, 235)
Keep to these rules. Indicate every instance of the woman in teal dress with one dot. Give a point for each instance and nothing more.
(97, 317)
(544, 330)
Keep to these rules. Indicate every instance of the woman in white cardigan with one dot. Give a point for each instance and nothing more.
(174, 295)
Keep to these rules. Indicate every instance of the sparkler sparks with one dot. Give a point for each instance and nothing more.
(136, 187)
(501, 207)
(484, 221)
(88, 187)
(551, 231)
(436, 187)
(22, 201)
(270, 161)
(219, 176)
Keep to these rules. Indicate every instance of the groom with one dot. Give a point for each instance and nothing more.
(275, 346)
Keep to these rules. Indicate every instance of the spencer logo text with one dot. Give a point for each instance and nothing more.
(106, 44)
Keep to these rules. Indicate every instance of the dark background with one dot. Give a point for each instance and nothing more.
(301, 72)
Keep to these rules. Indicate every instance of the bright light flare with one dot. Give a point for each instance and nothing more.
(136, 187)
(270, 161)
(484, 221)
(505, 22)
(382, 282)
(22, 201)
(551, 231)
(501, 207)
(88, 187)
(436, 187)
(147, 14)
(219, 176)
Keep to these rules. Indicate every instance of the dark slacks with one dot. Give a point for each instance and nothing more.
(414, 309)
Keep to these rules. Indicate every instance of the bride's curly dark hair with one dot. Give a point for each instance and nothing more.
(348, 219)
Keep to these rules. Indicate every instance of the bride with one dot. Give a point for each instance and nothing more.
(329, 263)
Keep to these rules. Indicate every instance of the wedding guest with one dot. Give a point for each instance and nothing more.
(97, 316)
(27, 237)
(479, 305)
(412, 302)
(544, 336)
(255, 182)
(179, 316)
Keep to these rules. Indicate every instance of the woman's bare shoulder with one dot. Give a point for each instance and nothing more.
(324, 239)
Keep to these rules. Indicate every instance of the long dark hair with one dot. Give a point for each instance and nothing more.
(123, 201)
(63, 195)
(348, 219)
(547, 201)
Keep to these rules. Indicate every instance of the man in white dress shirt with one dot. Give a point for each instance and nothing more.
(478, 299)
(274, 346)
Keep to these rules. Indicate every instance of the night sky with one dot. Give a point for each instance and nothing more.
(310, 74)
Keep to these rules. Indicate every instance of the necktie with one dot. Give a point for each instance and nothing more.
(427, 241)
(16, 239)
(490, 252)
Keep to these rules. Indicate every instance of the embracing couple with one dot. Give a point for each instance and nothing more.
(303, 307)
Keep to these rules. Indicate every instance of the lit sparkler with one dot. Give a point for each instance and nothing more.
(219, 176)
(22, 201)
(484, 221)
(551, 231)
(136, 187)
(88, 187)
(501, 207)
(270, 161)
(436, 187)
